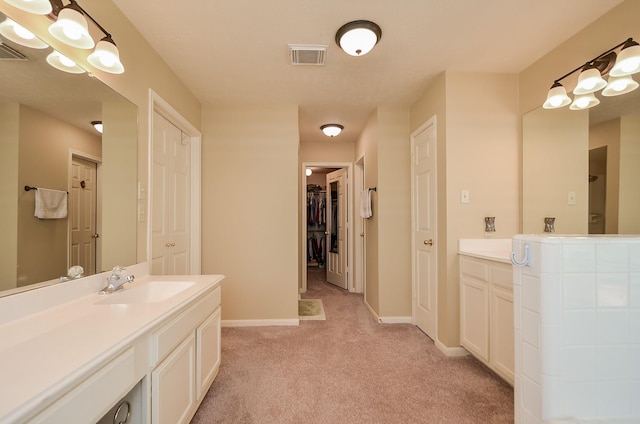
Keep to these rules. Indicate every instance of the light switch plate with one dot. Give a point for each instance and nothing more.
(464, 196)
(571, 198)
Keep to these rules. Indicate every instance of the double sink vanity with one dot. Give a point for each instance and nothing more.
(69, 354)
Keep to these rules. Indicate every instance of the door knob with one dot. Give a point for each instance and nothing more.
(95, 236)
(361, 234)
(429, 242)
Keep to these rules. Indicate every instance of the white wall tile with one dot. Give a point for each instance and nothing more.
(613, 362)
(551, 302)
(614, 399)
(579, 327)
(579, 291)
(612, 289)
(612, 257)
(579, 363)
(531, 293)
(551, 350)
(517, 307)
(634, 257)
(635, 398)
(552, 397)
(634, 326)
(531, 399)
(531, 328)
(580, 399)
(634, 363)
(578, 257)
(612, 326)
(634, 290)
(531, 362)
(550, 258)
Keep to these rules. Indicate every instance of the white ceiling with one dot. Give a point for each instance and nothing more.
(236, 52)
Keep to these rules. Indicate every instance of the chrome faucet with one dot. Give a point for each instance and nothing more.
(116, 280)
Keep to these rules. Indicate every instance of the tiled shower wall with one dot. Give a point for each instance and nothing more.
(577, 328)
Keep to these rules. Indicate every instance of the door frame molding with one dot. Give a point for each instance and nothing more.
(158, 104)
(303, 224)
(432, 121)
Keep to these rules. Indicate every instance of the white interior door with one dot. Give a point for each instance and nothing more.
(424, 227)
(337, 227)
(170, 185)
(82, 215)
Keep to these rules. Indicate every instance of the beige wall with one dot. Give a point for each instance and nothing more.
(556, 162)
(367, 148)
(629, 208)
(250, 204)
(608, 134)
(9, 141)
(42, 243)
(478, 149)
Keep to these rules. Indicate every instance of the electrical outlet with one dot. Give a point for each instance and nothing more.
(141, 191)
(571, 198)
(141, 211)
(464, 196)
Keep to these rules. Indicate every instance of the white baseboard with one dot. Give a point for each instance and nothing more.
(451, 351)
(259, 322)
(394, 320)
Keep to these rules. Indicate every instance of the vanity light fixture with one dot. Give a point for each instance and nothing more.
(71, 27)
(97, 125)
(358, 38)
(15, 32)
(63, 63)
(618, 67)
(308, 172)
(39, 7)
(331, 130)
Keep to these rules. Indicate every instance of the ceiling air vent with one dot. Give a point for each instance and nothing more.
(307, 54)
(9, 53)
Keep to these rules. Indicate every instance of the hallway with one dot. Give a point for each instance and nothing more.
(348, 369)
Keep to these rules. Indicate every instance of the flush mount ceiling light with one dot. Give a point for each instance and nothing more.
(39, 7)
(331, 130)
(619, 67)
(358, 38)
(308, 172)
(15, 32)
(97, 125)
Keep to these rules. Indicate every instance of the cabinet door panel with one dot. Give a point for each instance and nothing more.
(474, 320)
(502, 332)
(173, 386)
(208, 350)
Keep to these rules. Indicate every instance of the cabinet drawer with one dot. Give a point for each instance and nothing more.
(474, 268)
(168, 337)
(502, 275)
(91, 399)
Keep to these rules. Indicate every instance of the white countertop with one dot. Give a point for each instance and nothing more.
(493, 249)
(45, 353)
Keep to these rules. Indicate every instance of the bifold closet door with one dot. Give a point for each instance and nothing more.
(170, 185)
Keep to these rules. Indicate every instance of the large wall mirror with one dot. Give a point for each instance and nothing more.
(583, 168)
(47, 141)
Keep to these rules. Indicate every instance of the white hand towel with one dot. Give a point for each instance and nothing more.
(365, 204)
(50, 204)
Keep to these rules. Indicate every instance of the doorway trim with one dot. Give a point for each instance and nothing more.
(303, 224)
(158, 104)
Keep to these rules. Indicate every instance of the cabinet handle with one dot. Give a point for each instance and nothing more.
(429, 242)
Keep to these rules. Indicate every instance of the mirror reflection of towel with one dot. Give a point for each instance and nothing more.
(50, 204)
(365, 204)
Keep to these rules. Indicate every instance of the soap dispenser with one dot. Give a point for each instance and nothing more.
(489, 226)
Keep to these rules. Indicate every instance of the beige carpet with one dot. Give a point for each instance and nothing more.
(348, 369)
(310, 309)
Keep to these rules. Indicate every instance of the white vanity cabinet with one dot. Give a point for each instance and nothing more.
(486, 313)
(186, 359)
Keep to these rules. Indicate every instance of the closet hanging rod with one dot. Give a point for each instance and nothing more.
(373, 189)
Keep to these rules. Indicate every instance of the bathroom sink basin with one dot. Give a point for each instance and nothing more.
(151, 292)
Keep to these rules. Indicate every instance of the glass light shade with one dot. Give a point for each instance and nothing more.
(308, 172)
(557, 97)
(619, 85)
(589, 81)
(39, 7)
(628, 61)
(106, 57)
(71, 28)
(358, 38)
(331, 130)
(584, 101)
(97, 125)
(15, 32)
(63, 63)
